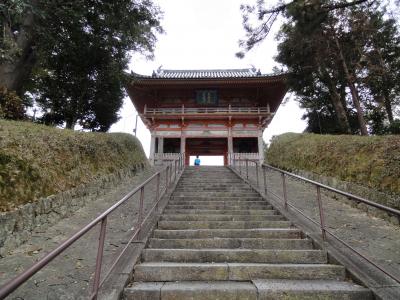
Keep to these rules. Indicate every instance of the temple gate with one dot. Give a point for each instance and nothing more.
(206, 112)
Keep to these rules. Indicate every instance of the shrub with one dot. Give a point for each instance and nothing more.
(372, 161)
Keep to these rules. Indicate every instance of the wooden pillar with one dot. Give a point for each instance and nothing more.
(152, 149)
(183, 144)
(230, 141)
(160, 145)
(260, 147)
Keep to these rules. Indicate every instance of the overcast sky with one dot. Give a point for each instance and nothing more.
(204, 35)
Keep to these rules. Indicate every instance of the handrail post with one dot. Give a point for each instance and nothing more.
(175, 169)
(258, 183)
(171, 172)
(284, 190)
(265, 179)
(140, 218)
(247, 169)
(166, 179)
(158, 192)
(99, 258)
(321, 213)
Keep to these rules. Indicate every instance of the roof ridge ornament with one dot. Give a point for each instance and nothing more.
(160, 70)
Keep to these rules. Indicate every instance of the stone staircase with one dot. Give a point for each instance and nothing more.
(218, 239)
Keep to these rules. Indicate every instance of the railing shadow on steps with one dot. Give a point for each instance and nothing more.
(170, 174)
(255, 174)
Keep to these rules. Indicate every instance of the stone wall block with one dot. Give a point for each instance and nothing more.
(17, 226)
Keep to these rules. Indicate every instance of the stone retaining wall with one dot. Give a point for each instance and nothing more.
(17, 226)
(364, 192)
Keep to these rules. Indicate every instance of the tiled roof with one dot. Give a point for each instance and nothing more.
(221, 73)
(216, 73)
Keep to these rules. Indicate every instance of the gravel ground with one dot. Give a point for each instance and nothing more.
(69, 276)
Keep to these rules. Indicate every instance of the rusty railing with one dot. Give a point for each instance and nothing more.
(241, 167)
(171, 172)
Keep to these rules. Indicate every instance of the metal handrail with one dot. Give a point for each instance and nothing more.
(171, 173)
(321, 224)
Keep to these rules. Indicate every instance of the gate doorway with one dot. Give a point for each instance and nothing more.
(208, 160)
(207, 147)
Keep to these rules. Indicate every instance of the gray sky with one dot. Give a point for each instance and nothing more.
(204, 35)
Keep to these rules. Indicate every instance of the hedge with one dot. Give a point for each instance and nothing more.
(38, 161)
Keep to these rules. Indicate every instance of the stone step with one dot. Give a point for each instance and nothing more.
(231, 243)
(262, 289)
(310, 289)
(187, 211)
(212, 180)
(226, 290)
(216, 201)
(217, 206)
(195, 183)
(222, 224)
(167, 271)
(235, 255)
(214, 184)
(198, 199)
(275, 233)
(214, 194)
(212, 174)
(211, 185)
(273, 216)
(214, 189)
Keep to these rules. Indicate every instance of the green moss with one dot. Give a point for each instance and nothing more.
(372, 161)
(37, 160)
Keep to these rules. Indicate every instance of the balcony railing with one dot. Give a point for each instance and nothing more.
(207, 110)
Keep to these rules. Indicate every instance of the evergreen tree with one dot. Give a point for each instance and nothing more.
(342, 58)
(81, 49)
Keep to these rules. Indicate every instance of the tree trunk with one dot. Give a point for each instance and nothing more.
(386, 97)
(70, 123)
(353, 90)
(336, 101)
(388, 107)
(13, 74)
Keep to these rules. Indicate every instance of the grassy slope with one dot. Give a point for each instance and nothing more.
(369, 161)
(37, 160)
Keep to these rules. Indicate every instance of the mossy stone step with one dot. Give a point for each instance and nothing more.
(222, 224)
(279, 289)
(231, 243)
(272, 216)
(235, 255)
(276, 233)
(190, 211)
(220, 206)
(167, 271)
